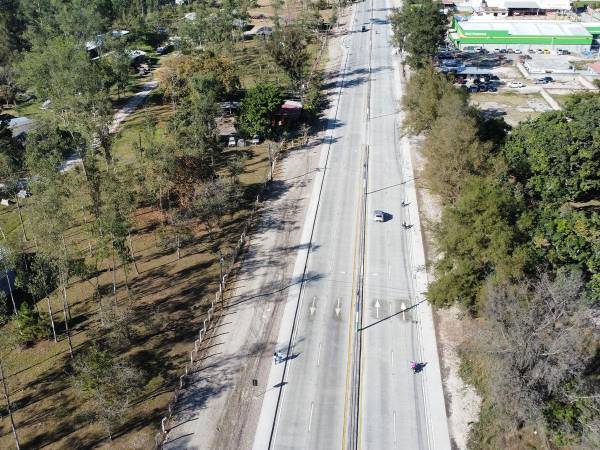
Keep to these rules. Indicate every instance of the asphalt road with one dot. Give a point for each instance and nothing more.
(347, 381)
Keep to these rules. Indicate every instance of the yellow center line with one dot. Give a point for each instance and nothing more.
(351, 316)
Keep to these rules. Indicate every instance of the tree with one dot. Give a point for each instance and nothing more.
(542, 340)
(176, 73)
(11, 152)
(259, 110)
(52, 218)
(419, 28)
(453, 149)
(421, 100)
(31, 325)
(553, 163)
(477, 237)
(12, 28)
(119, 67)
(287, 47)
(40, 280)
(113, 225)
(107, 385)
(60, 70)
(213, 200)
(198, 150)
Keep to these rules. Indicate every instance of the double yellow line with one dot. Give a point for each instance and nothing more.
(353, 311)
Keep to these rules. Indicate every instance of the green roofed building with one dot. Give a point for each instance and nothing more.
(469, 33)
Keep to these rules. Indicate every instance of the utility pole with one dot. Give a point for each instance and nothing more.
(221, 284)
(8, 407)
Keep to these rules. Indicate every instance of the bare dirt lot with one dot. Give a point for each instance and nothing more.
(515, 107)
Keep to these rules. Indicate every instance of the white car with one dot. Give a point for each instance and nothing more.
(515, 84)
(255, 140)
(231, 142)
(518, 52)
(378, 216)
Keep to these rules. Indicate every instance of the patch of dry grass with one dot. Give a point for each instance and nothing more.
(169, 295)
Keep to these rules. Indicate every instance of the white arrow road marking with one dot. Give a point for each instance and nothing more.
(377, 306)
(312, 407)
(338, 308)
(403, 307)
(319, 355)
(313, 306)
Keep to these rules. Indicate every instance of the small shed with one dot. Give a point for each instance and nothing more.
(290, 111)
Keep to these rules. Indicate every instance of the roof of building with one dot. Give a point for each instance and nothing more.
(594, 67)
(19, 125)
(525, 4)
(523, 27)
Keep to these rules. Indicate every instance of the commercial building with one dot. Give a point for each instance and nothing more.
(515, 7)
(470, 33)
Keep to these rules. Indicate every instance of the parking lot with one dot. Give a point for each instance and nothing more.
(500, 83)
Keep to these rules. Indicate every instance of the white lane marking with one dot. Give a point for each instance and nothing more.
(377, 306)
(312, 407)
(319, 355)
(313, 307)
(338, 307)
(395, 440)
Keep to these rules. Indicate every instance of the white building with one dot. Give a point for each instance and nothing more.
(518, 7)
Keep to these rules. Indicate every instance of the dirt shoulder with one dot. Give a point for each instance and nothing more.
(462, 401)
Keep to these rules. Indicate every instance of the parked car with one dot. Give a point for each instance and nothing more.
(164, 49)
(473, 89)
(378, 216)
(518, 52)
(540, 81)
(231, 142)
(255, 140)
(492, 88)
(241, 143)
(515, 84)
(364, 28)
(539, 51)
(562, 51)
(494, 78)
(531, 50)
